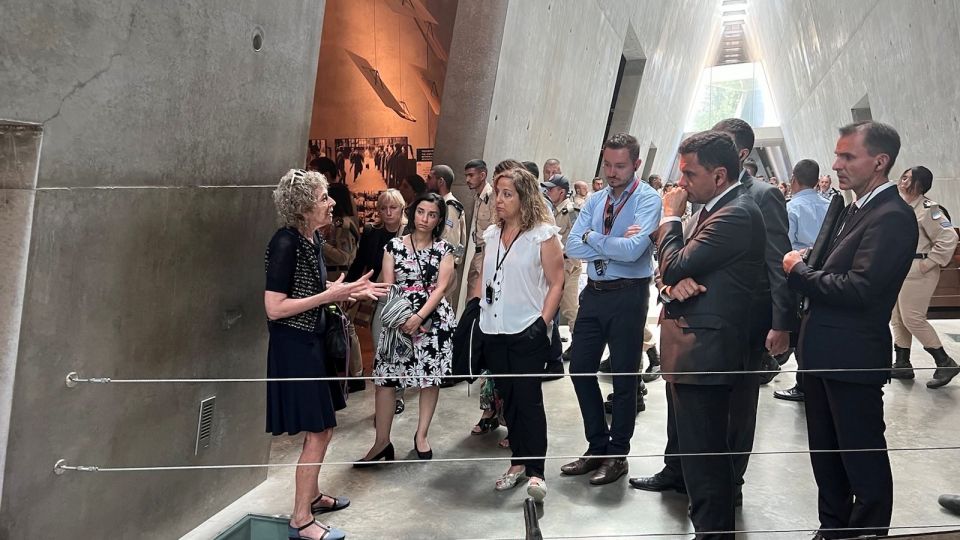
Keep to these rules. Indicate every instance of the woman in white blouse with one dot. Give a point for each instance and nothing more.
(519, 290)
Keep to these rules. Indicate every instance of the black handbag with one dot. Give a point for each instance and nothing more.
(337, 338)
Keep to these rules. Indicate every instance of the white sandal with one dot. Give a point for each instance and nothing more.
(537, 489)
(509, 480)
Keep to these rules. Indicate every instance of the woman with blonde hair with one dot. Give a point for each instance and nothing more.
(373, 242)
(519, 289)
(296, 293)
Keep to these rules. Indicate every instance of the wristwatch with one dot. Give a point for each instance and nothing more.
(585, 234)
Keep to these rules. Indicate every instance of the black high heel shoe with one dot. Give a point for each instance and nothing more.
(386, 454)
(422, 455)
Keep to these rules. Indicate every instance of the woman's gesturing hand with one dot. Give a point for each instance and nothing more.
(341, 291)
(370, 289)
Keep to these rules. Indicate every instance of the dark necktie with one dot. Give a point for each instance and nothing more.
(851, 211)
(704, 214)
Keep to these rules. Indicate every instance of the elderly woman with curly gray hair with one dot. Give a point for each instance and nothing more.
(297, 293)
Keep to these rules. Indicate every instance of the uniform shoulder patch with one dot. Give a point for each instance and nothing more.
(456, 205)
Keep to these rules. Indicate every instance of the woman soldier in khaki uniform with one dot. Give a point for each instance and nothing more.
(935, 248)
(339, 251)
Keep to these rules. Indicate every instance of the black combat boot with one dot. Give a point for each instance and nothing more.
(653, 368)
(947, 369)
(902, 368)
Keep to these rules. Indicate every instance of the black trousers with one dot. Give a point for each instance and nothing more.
(856, 489)
(701, 417)
(522, 397)
(609, 318)
(742, 422)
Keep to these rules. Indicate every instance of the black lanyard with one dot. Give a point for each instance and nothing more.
(416, 257)
(499, 260)
(616, 211)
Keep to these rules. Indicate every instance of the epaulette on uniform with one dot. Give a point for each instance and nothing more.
(456, 205)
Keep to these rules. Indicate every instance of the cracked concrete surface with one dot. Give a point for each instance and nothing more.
(163, 134)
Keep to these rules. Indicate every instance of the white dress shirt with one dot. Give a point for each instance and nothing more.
(708, 207)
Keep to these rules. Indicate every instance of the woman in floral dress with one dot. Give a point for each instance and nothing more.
(419, 264)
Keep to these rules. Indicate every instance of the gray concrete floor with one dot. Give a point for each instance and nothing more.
(457, 500)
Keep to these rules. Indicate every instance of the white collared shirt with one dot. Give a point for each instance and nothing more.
(710, 204)
(713, 202)
(863, 202)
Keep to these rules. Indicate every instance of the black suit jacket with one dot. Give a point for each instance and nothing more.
(725, 255)
(852, 296)
(774, 306)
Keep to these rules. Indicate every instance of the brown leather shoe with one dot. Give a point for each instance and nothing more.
(610, 471)
(581, 466)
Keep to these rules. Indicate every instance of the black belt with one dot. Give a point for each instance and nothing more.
(617, 284)
(920, 255)
(337, 268)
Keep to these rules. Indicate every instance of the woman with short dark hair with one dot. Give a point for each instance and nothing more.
(935, 248)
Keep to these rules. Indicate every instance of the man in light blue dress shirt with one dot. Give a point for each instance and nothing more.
(612, 237)
(805, 213)
(807, 208)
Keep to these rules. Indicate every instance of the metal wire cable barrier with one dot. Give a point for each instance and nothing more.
(531, 524)
(62, 465)
(73, 378)
(947, 527)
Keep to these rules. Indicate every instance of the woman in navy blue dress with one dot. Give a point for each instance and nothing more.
(296, 294)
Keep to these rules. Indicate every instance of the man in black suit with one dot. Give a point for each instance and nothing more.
(846, 328)
(708, 280)
(772, 318)
(773, 309)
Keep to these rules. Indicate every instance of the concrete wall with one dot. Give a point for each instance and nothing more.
(556, 73)
(19, 158)
(345, 105)
(162, 130)
(548, 93)
(822, 57)
(558, 68)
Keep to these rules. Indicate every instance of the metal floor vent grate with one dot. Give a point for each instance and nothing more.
(205, 424)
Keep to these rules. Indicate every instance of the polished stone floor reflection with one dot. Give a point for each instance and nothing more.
(457, 500)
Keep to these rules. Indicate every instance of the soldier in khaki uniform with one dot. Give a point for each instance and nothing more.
(565, 213)
(475, 172)
(935, 248)
(439, 181)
